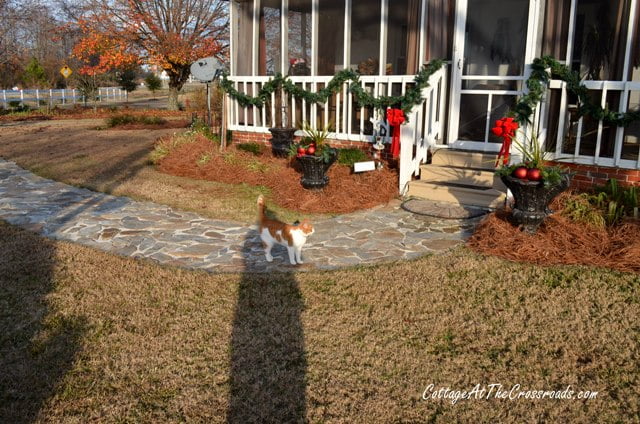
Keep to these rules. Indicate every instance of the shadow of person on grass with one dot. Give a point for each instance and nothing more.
(268, 363)
(38, 344)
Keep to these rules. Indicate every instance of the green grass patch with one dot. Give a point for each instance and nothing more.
(165, 146)
(257, 166)
(254, 148)
(198, 126)
(608, 206)
(350, 156)
(204, 159)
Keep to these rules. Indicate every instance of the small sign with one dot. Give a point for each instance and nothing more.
(66, 71)
(364, 166)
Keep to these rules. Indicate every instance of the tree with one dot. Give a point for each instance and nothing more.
(34, 75)
(32, 29)
(153, 83)
(169, 33)
(88, 87)
(127, 80)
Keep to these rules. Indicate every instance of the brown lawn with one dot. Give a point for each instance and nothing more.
(88, 336)
(116, 161)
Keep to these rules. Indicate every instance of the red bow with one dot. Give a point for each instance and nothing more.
(505, 128)
(395, 118)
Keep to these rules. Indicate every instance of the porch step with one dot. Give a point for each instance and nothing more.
(458, 175)
(464, 159)
(457, 193)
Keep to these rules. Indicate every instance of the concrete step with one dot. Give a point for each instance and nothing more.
(464, 159)
(467, 176)
(464, 195)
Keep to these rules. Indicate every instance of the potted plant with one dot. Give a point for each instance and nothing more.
(315, 156)
(282, 134)
(532, 182)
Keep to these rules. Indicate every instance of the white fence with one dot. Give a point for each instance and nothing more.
(36, 98)
(588, 141)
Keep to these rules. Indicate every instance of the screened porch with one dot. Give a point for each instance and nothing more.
(489, 45)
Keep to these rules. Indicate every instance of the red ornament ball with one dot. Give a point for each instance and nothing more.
(534, 174)
(301, 151)
(311, 150)
(520, 172)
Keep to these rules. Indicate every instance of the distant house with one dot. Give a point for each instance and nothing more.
(489, 45)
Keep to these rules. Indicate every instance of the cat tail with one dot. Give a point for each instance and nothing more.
(261, 215)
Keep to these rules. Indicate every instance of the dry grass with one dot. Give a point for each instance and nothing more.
(87, 336)
(117, 162)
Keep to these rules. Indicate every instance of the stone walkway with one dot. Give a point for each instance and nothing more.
(147, 230)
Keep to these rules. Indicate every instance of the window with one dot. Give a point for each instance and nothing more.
(402, 38)
(243, 36)
(365, 36)
(269, 29)
(631, 141)
(600, 39)
(331, 35)
(300, 29)
(495, 42)
(439, 34)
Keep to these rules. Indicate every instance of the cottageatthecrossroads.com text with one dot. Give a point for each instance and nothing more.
(498, 391)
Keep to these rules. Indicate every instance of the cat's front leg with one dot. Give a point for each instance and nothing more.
(292, 254)
(267, 251)
(299, 255)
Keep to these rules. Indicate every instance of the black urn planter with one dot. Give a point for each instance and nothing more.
(314, 170)
(281, 140)
(532, 199)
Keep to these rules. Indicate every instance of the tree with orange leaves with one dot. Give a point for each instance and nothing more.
(169, 33)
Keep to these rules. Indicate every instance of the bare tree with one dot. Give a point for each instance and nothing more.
(29, 30)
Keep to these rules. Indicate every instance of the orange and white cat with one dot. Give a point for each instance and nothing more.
(273, 232)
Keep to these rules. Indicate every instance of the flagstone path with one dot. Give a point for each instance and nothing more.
(146, 230)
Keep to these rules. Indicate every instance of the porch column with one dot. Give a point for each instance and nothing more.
(314, 37)
(255, 37)
(347, 34)
(284, 36)
(384, 12)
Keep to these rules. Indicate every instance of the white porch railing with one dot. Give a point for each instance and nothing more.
(425, 129)
(346, 119)
(584, 140)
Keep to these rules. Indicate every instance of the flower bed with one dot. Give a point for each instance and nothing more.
(346, 192)
(561, 240)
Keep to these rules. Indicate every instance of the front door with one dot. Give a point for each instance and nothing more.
(493, 43)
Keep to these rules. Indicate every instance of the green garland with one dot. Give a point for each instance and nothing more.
(411, 98)
(539, 81)
(537, 84)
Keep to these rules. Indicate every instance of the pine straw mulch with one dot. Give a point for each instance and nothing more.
(560, 240)
(346, 192)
